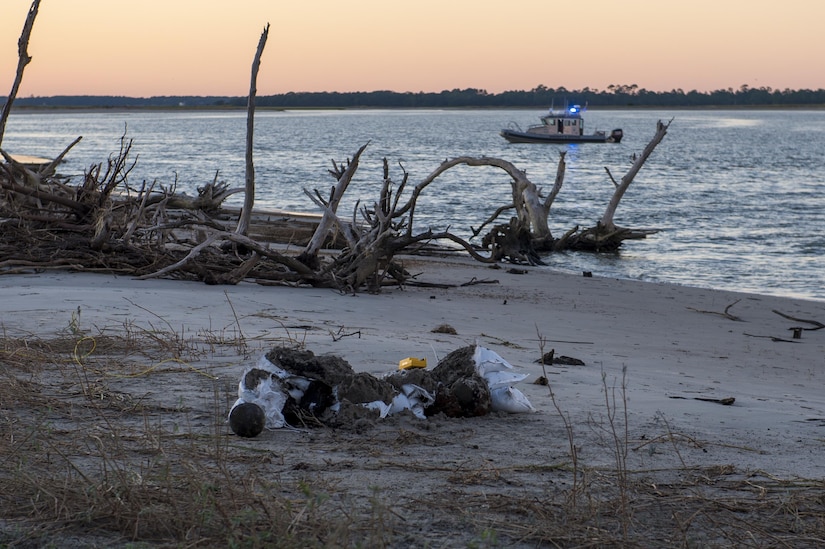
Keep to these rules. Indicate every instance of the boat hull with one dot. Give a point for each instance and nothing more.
(514, 136)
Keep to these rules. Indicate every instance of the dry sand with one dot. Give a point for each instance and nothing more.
(656, 354)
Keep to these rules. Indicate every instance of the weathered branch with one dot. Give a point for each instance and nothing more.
(500, 210)
(50, 168)
(726, 314)
(310, 254)
(607, 219)
(557, 184)
(460, 241)
(23, 59)
(138, 215)
(35, 192)
(610, 175)
(531, 210)
(817, 325)
(344, 228)
(249, 197)
(193, 253)
(262, 251)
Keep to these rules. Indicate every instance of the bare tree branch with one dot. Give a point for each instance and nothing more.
(310, 254)
(249, 197)
(607, 219)
(23, 59)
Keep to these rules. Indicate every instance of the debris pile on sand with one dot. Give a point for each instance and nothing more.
(295, 388)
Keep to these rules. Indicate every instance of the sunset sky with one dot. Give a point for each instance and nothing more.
(205, 47)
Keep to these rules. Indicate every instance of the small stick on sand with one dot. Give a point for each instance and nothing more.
(725, 314)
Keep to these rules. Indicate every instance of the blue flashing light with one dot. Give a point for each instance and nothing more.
(574, 109)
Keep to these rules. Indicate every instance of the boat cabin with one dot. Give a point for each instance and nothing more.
(566, 122)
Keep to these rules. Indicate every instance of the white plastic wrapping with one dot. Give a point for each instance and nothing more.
(509, 399)
(270, 393)
(499, 376)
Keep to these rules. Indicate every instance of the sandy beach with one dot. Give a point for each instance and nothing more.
(648, 419)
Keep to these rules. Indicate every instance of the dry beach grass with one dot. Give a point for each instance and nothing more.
(114, 404)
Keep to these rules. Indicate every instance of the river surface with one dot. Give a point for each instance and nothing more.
(737, 195)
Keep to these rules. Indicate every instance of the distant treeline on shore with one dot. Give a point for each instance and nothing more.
(541, 96)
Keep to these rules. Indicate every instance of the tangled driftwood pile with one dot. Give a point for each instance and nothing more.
(105, 224)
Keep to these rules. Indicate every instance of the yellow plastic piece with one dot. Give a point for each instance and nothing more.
(412, 362)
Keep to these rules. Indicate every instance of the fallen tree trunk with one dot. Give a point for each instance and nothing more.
(529, 207)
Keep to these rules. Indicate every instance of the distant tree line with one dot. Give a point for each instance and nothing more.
(540, 96)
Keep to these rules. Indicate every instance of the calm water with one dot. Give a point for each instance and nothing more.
(739, 196)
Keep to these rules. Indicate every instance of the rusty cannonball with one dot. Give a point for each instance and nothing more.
(247, 420)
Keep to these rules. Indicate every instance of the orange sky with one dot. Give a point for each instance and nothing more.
(205, 47)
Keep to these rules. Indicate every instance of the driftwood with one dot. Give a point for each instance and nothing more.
(384, 230)
(606, 236)
(527, 234)
(343, 174)
(606, 221)
(23, 59)
(726, 314)
(249, 196)
(815, 323)
(210, 198)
